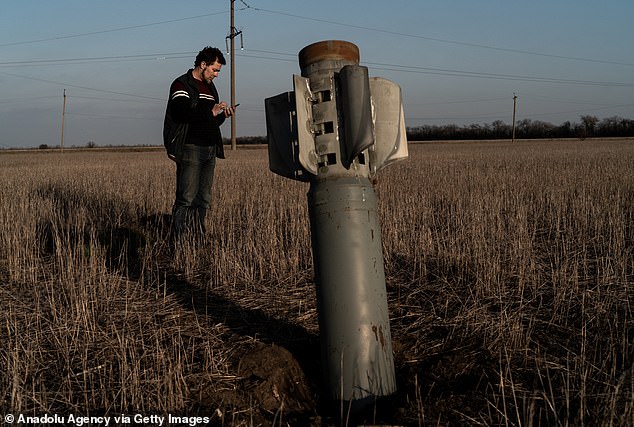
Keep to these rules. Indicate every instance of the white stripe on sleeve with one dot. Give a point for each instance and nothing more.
(180, 93)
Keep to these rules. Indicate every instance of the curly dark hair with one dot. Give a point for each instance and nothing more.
(209, 55)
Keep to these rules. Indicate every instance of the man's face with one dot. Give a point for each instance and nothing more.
(210, 71)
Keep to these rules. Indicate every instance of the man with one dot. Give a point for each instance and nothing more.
(195, 109)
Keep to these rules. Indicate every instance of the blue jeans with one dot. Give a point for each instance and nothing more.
(194, 179)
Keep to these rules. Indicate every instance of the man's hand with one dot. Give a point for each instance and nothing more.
(218, 108)
(223, 108)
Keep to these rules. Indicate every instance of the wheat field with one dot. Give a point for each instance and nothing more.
(509, 271)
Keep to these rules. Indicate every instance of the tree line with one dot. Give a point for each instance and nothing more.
(588, 127)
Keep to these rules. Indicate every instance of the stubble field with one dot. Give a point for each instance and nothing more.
(510, 277)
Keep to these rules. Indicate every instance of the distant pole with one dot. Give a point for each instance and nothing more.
(514, 107)
(61, 146)
(233, 80)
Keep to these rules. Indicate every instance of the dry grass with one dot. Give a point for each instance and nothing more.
(509, 272)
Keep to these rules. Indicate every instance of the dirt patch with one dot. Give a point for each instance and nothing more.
(276, 379)
(271, 382)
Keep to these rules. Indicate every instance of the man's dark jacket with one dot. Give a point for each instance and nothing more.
(177, 121)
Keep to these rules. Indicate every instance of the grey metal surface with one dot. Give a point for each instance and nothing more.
(305, 134)
(339, 128)
(389, 124)
(281, 133)
(352, 301)
(356, 109)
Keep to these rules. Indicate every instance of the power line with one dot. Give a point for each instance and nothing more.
(108, 116)
(458, 102)
(389, 67)
(148, 101)
(243, 55)
(564, 101)
(79, 87)
(112, 30)
(455, 73)
(373, 65)
(459, 73)
(497, 115)
(439, 40)
(27, 99)
(477, 116)
(585, 110)
(115, 58)
(291, 57)
(374, 29)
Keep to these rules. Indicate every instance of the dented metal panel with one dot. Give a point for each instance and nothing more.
(357, 112)
(352, 297)
(305, 133)
(389, 124)
(281, 135)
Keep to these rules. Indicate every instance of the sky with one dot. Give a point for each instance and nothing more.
(457, 61)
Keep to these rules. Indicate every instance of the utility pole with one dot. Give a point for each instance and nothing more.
(514, 107)
(61, 146)
(232, 35)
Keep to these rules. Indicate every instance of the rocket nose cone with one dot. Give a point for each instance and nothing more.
(328, 50)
